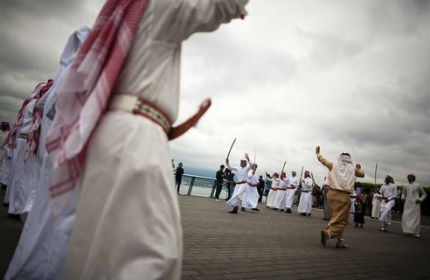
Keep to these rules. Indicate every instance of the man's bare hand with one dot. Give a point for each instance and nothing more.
(317, 150)
(247, 156)
(358, 166)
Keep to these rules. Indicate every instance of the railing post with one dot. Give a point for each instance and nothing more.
(213, 189)
(191, 185)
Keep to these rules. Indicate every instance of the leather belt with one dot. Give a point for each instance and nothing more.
(23, 136)
(142, 107)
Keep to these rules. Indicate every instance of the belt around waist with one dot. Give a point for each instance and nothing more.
(144, 108)
(23, 136)
(341, 191)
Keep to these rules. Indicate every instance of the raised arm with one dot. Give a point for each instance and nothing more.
(321, 159)
(181, 18)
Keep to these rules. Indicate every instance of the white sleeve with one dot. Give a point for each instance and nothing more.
(185, 17)
(232, 168)
(423, 193)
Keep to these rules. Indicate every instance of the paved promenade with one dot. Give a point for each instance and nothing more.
(275, 245)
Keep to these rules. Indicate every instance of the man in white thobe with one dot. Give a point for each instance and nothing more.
(272, 192)
(127, 173)
(6, 166)
(388, 199)
(376, 204)
(41, 250)
(281, 193)
(18, 191)
(240, 189)
(305, 204)
(293, 183)
(250, 200)
(413, 195)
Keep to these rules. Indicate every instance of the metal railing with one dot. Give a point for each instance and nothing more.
(199, 186)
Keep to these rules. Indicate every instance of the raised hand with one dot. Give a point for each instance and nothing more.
(317, 150)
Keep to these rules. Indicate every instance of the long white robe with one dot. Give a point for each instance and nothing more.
(6, 166)
(281, 195)
(305, 204)
(41, 250)
(250, 200)
(128, 223)
(376, 205)
(292, 183)
(26, 172)
(387, 191)
(411, 218)
(272, 193)
(12, 172)
(240, 189)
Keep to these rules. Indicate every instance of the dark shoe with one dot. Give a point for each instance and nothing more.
(242, 209)
(282, 210)
(275, 209)
(324, 237)
(255, 209)
(356, 225)
(302, 214)
(234, 211)
(289, 210)
(309, 214)
(361, 226)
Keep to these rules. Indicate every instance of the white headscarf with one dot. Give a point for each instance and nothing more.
(345, 171)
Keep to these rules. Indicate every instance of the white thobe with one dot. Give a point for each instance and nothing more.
(41, 250)
(12, 172)
(25, 169)
(250, 200)
(305, 204)
(272, 193)
(376, 205)
(292, 183)
(387, 191)
(281, 195)
(411, 218)
(240, 189)
(128, 223)
(6, 166)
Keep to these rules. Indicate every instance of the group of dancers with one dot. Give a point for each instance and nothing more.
(87, 161)
(340, 191)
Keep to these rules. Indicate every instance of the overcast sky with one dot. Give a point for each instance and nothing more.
(347, 75)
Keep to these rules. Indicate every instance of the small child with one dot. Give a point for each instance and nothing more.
(360, 211)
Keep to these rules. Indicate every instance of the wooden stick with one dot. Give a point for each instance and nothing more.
(231, 147)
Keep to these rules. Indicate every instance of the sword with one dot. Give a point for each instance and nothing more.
(231, 147)
(282, 171)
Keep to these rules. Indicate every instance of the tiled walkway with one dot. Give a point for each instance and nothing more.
(275, 245)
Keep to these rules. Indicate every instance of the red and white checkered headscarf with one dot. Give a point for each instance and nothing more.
(84, 94)
(11, 136)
